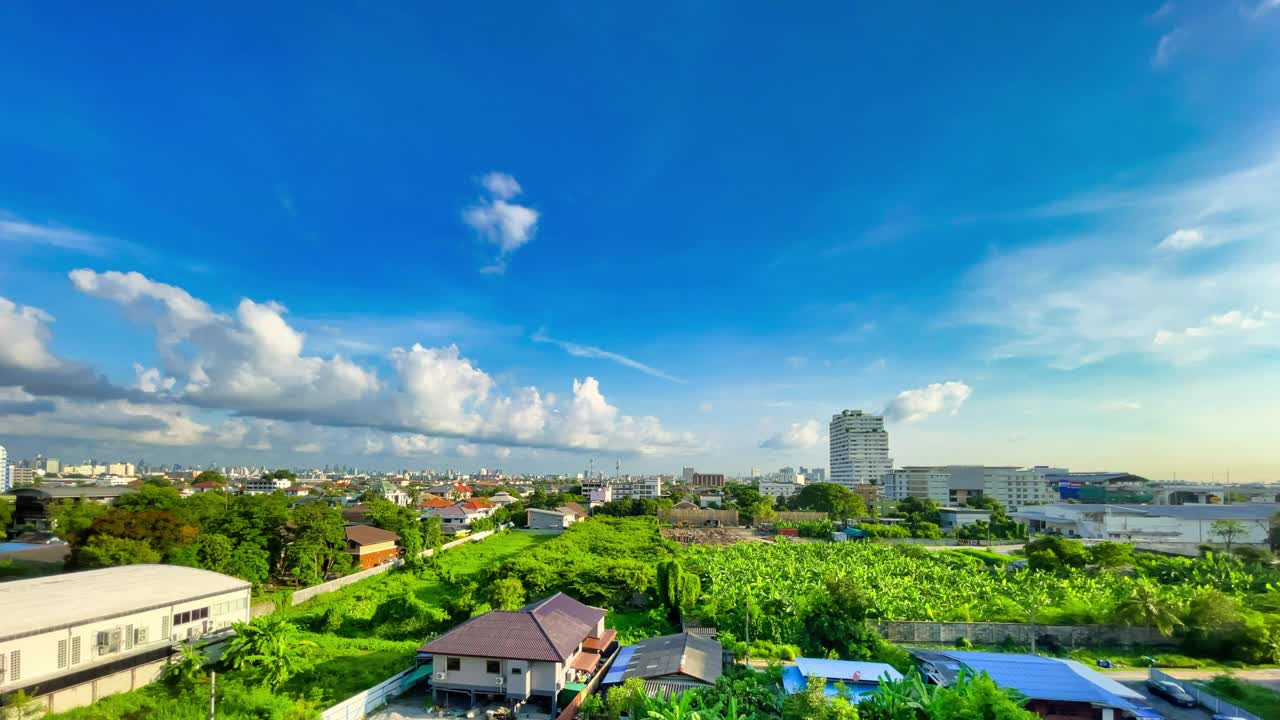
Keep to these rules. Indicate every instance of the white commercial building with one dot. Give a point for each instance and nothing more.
(925, 483)
(859, 449)
(5, 483)
(72, 639)
(1173, 527)
(260, 486)
(1012, 487)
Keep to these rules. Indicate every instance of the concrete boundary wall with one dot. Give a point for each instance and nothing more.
(700, 518)
(90, 692)
(359, 705)
(995, 633)
(305, 594)
(798, 516)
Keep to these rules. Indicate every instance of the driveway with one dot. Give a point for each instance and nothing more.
(1166, 708)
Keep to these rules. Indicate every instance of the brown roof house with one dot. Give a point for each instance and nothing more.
(520, 655)
(371, 546)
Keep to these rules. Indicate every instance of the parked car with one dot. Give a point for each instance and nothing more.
(1172, 692)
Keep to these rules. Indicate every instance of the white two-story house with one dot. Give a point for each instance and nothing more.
(526, 655)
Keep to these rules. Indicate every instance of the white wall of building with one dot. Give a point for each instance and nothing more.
(859, 448)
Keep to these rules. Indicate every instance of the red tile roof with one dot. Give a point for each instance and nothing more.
(434, 502)
(550, 629)
(574, 508)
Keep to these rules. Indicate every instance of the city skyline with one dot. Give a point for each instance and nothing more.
(523, 253)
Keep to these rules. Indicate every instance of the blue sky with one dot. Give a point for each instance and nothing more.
(1045, 236)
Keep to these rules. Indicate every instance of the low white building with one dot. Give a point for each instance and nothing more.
(1175, 526)
(261, 486)
(781, 486)
(72, 639)
(925, 483)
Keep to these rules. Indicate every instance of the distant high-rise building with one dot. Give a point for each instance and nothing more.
(4, 469)
(687, 476)
(859, 449)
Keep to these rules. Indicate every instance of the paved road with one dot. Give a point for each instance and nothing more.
(1166, 708)
(1269, 677)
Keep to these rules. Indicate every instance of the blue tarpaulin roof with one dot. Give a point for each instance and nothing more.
(1049, 678)
(619, 668)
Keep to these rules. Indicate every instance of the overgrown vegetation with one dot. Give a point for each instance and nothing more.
(1260, 701)
(1217, 606)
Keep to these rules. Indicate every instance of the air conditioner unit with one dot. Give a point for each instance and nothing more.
(500, 680)
(441, 676)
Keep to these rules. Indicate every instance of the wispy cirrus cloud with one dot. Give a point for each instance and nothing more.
(1082, 299)
(14, 229)
(589, 351)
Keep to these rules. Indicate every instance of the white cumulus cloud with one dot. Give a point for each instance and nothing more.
(507, 225)
(920, 403)
(799, 436)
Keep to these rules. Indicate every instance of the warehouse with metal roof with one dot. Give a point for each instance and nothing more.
(73, 637)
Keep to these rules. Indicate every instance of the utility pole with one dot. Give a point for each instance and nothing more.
(213, 684)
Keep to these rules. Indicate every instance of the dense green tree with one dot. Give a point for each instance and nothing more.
(210, 476)
(1056, 554)
(280, 475)
(108, 551)
(255, 520)
(72, 519)
(150, 497)
(1111, 554)
(163, 530)
(433, 536)
(6, 515)
(835, 620)
(838, 501)
(251, 563)
(507, 594)
(678, 590)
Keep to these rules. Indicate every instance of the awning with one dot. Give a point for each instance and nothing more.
(585, 661)
(618, 671)
(600, 643)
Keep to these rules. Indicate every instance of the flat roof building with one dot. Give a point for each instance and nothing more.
(73, 638)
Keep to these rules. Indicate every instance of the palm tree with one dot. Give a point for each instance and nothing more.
(269, 644)
(186, 669)
(1146, 605)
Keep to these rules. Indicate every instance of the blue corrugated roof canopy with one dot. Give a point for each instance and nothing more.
(618, 670)
(1049, 678)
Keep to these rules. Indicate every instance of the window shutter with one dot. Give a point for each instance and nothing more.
(62, 654)
(164, 626)
(128, 637)
(15, 665)
(75, 651)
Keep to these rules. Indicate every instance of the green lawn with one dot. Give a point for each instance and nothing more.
(339, 665)
(637, 625)
(1260, 701)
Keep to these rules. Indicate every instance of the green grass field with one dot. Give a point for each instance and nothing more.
(337, 666)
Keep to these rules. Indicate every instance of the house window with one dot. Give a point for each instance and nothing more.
(453, 664)
(515, 671)
(493, 667)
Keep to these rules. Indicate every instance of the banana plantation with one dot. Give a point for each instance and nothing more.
(1218, 605)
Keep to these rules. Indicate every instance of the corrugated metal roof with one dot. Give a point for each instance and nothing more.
(847, 670)
(1045, 678)
(58, 600)
(681, 654)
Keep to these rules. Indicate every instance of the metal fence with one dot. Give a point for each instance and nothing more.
(358, 706)
(1210, 702)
